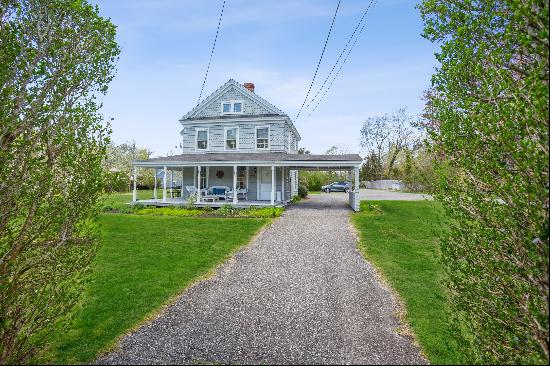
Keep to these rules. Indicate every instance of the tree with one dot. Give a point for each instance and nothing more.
(386, 136)
(488, 121)
(56, 57)
(303, 151)
(118, 165)
(371, 168)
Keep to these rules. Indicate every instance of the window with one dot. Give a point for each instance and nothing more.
(231, 138)
(262, 137)
(232, 107)
(204, 178)
(241, 177)
(202, 139)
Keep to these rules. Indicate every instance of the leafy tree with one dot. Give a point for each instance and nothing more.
(118, 165)
(303, 151)
(372, 168)
(56, 57)
(488, 117)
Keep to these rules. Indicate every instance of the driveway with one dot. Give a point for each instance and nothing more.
(379, 194)
(299, 294)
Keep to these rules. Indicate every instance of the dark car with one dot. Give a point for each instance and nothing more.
(337, 187)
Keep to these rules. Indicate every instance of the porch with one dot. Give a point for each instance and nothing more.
(237, 179)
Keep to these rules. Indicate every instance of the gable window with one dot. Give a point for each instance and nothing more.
(262, 137)
(202, 139)
(231, 135)
(232, 107)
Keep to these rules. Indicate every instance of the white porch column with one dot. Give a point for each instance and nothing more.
(234, 184)
(181, 188)
(155, 188)
(199, 184)
(282, 184)
(356, 169)
(273, 185)
(164, 184)
(134, 194)
(171, 183)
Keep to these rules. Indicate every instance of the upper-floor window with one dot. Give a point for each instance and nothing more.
(202, 139)
(232, 107)
(231, 136)
(262, 137)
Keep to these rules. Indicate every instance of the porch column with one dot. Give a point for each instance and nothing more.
(273, 185)
(199, 184)
(171, 183)
(282, 184)
(234, 184)
(134, 195)
(155, 188)
(164, 184)
(356, 169)
(181, 188)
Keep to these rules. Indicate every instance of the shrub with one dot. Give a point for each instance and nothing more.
(488, 116)
(302, 191)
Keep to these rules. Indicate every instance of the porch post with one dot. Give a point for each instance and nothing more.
(282, 184)
(356, 169)
(134, 195)
(155, 188)
(171, 183)
(164, 184)
(234, 184)
(181, 188)
(273, 185)
(198, 184)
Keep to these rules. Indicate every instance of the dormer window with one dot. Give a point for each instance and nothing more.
(232, 107)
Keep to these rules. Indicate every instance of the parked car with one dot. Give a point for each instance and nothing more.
(337, 187)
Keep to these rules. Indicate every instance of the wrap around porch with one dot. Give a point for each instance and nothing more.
(238, 179)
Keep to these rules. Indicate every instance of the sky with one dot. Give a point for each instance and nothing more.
(166, 44)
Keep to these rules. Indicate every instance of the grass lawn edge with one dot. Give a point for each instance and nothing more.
(151, 316)
(404, 329)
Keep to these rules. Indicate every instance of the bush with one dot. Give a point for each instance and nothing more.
(224, 211)
(302, 191)
(488, 116)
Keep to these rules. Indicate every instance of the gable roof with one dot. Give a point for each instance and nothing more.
(237, 86)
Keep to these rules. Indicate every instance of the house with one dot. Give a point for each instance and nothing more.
(235, 141)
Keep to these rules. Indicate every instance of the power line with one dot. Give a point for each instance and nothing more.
(320, 59)
(341, 65)
(341, 54)
(211, 53)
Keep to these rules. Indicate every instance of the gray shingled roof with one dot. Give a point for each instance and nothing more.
(225, 157)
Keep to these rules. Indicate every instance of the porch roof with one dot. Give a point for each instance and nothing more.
(254, 159)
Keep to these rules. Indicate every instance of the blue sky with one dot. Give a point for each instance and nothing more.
(274, 44)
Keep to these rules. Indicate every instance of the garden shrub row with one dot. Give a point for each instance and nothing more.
(224, 211)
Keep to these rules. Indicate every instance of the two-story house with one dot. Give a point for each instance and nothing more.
(240, 149)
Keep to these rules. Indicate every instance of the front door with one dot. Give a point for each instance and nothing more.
(265, 183)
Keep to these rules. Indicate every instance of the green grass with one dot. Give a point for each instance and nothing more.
(121, 200)
(145, 261)
(400, 239)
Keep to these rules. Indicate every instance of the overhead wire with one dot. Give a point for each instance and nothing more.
(340, 56)
(320, 59)
(211, 52)
(341, 65)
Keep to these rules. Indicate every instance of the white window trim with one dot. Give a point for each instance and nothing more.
(225, 138)
(268, 138)
(232, 103)
(197, 130)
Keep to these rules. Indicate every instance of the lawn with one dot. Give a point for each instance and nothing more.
(145, 261)
(120, 200)
(401, 241)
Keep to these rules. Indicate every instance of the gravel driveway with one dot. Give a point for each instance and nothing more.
(299, 294)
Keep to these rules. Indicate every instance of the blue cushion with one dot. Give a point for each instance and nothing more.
(218, 190)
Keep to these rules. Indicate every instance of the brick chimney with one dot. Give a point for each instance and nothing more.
(249, 86)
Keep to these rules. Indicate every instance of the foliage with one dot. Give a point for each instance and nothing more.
(56, 57)
(143, 262)
(401, 239)
(488, 116)
(119, 170)
(295, 198)
(302, 191)
(224, 211)
(372, 168)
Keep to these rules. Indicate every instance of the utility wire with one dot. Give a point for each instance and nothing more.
(211, 53)
(341, 54)
(320, 59)
(341, 66)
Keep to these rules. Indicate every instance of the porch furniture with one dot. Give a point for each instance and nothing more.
(241, 193)
(219, 191)
(192, 190)
(211, 198)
